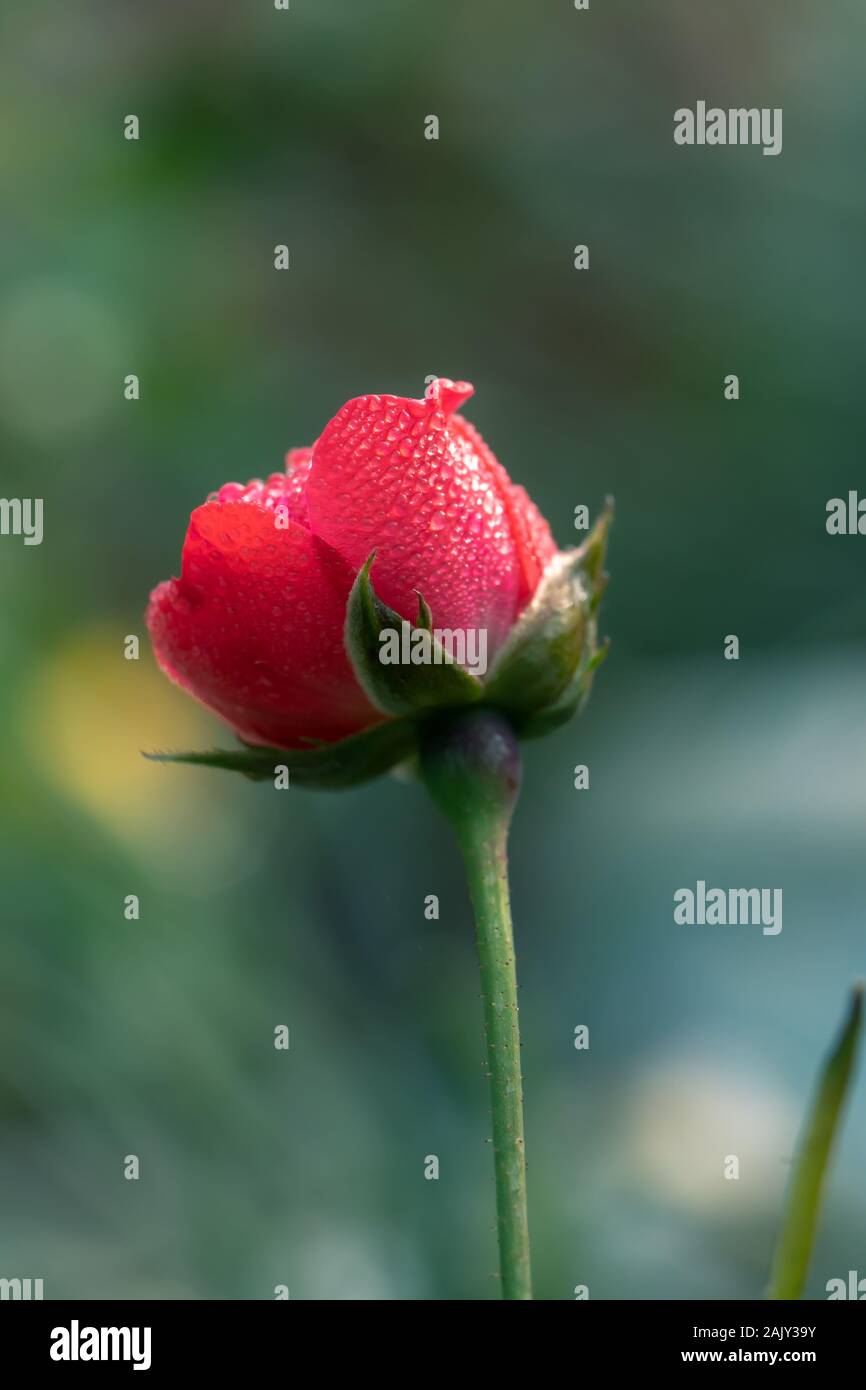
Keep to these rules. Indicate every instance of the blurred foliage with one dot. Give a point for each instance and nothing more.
(412, 257)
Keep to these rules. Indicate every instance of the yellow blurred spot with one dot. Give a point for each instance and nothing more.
(86, 718)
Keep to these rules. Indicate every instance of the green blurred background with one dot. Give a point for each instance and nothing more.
(410, 257)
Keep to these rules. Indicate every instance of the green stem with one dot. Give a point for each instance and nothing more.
(487, 871)
(471, 766)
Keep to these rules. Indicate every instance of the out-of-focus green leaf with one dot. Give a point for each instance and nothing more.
(794, 1249)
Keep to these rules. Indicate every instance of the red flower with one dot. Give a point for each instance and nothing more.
(254, 626)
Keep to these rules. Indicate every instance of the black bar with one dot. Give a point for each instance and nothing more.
(221, 1338)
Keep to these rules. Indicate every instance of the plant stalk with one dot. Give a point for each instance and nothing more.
(487, 871)
(471, 765)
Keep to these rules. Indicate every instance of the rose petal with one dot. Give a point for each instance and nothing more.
(532, 536)
(254, 627)
(287, 490)
(402, 477)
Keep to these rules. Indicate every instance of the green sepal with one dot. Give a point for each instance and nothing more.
(592, 554)
(546, 665)
(544, 721)
(541, 653)
(425, 617)
(324, 766)
(401, 688)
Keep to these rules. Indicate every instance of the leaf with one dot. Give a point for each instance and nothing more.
(400, 688)
(791, 1260)
(327, 766)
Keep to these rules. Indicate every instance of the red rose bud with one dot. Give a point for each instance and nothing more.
(275, 623)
